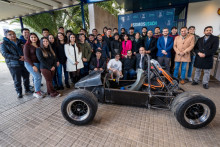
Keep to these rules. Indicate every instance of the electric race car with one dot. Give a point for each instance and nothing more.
(153, 88)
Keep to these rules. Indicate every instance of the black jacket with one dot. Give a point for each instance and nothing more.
(108, 41)
(144, 61)
(136, 45)
(61, 53)
(46, 63)
(115, 44)
(93, 63)
(129, 63)
(12, 53)
(152, 47)
(54, 47)
(209, 49)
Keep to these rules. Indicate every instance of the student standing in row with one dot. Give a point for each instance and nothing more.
(164, 45)
(205, 49)
(11, 50)
(86, 54)
(62, 60)
(137, 43)
(116, 46)
(183, 45)
(53, 44)
(126, 45)
(74, 58)
(151, 45)
(32, 64)
(47, 58)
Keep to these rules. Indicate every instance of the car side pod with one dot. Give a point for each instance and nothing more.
(79, 107)
(193, 110)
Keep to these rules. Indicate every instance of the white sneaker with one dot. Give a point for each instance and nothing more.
(37, 95)
(190, 79)
(59, 95)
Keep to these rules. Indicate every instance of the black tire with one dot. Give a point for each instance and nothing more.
(79, 107)
(193, 110)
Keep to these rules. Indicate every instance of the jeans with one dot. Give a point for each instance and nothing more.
(55, 78)
(183, 69)
(206, 75)
(190, 70)
(85, 70)
(129, 74)
(17, 73)
(36, 75)
(59, 73)
(166, 62)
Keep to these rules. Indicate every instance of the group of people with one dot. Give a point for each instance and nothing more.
(76, 55)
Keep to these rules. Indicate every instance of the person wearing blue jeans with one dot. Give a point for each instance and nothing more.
(129, 74)
(183, 44)
(59, 73)
(191, 31)
(190, 69)
(36, 75)
(183, 69)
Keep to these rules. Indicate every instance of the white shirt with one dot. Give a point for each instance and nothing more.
(165, 40)
(115, 64)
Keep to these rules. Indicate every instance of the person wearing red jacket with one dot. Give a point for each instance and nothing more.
(126, 45)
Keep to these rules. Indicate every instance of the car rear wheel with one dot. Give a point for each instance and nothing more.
(79, 107)
(193, 110)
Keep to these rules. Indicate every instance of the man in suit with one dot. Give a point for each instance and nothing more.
(205, 49)
(150, 44)
(164, 45)
(141, 59)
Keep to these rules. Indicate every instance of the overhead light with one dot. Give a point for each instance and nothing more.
(140, 7)
(170, 4)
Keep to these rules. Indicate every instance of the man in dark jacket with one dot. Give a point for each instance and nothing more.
(116, 46)
(107, 38)
(86, 54)
(11, 50)
(141, 59)
(205, 49)
(151, 45)
(25, 34)
(97, 63)
(129, 66)
(102, 46)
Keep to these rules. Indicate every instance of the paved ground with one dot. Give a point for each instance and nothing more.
(38, 122)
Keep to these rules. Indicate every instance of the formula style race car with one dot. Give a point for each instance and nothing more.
(153, 88)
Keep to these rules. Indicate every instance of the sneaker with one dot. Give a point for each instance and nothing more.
(38, 95)
(205, 86)
(182, 82)
(195, 83)
(190, 79)
(20, 95)
(56, 95)
(31, 87)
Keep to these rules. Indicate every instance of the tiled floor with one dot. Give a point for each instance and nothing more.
(38, 122)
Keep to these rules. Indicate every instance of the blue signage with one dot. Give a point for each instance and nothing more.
(94, 1)
(149, 19)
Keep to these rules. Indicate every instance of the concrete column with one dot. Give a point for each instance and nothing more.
(91, 17)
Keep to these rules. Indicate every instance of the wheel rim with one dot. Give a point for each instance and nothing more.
(78, 110)
(197, 113)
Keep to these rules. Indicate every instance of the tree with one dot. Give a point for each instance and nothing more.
(69, 18)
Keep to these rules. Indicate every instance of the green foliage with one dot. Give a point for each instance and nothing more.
(69, 18)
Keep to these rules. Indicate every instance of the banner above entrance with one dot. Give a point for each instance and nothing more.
(150, 19)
